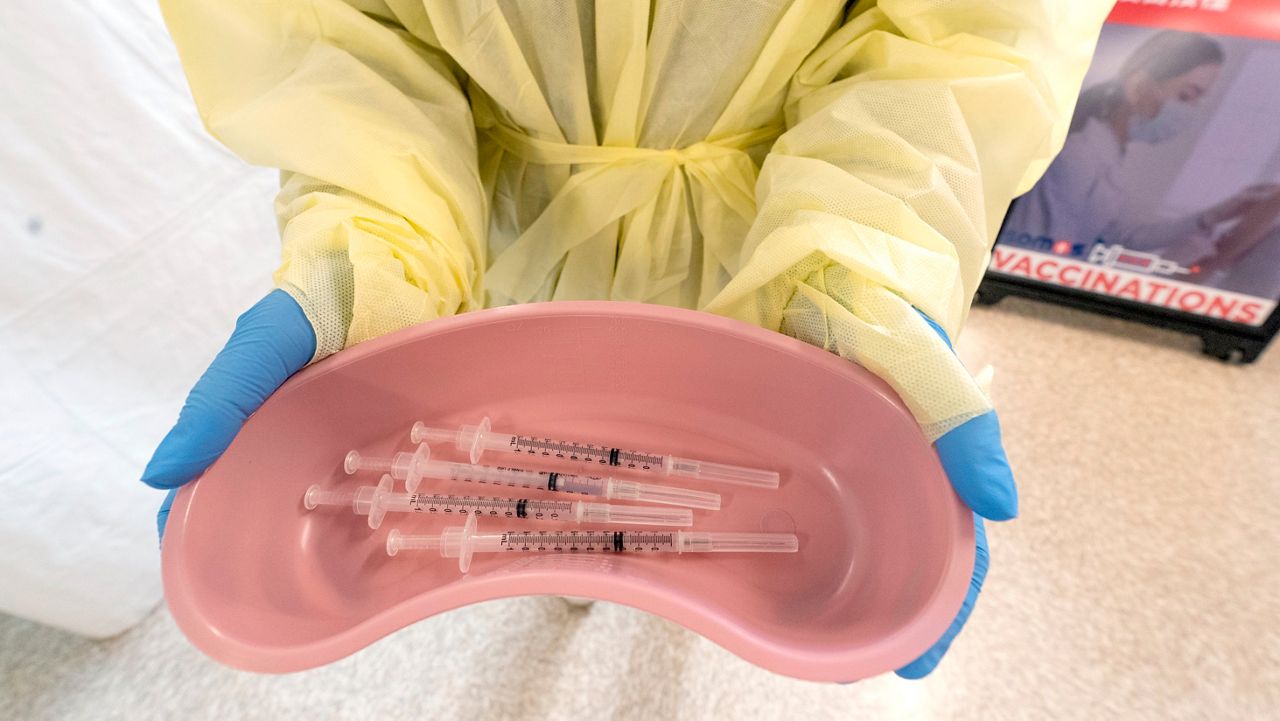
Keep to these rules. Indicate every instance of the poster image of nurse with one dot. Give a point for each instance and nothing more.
(1167, 189)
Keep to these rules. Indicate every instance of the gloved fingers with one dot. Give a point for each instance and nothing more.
(974, 459)
(973, 456)
(925, 664)
(162, 515)
(271, 341)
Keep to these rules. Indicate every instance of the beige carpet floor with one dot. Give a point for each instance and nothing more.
(1142, 581)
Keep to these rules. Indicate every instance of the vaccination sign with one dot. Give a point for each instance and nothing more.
(1167, 190)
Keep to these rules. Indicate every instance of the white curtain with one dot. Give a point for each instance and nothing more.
(129, 243)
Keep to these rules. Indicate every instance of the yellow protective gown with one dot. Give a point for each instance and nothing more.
(813, 168)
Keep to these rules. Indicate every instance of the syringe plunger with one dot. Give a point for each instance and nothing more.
(363, 500)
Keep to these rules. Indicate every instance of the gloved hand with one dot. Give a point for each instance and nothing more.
(271, 341)
(974, 459)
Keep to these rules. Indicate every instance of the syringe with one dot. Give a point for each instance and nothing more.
(475, 440)
(374, 502)
(413, 467)
(461, 542)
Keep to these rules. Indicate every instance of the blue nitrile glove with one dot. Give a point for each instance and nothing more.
(974, 459)
(271, 341)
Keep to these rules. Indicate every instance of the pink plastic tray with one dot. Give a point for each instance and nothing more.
(886, 547)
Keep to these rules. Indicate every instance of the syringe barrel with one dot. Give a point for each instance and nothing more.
(486, 542)
(721, 542)
(487, 474)
(497, 441)
(586, 485)
(668, 495)
(721, 472)
(585, 512)
(400, 502)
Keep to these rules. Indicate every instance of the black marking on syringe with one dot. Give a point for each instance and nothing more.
(551, 481)
(618, 544)
(521, 511)
(613, 456)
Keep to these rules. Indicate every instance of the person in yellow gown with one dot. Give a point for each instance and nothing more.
(832, 171)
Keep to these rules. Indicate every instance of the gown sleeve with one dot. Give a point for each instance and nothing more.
(381, 208)
(910, 130)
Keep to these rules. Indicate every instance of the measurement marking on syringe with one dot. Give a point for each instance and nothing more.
(607, 541)
(481, 438)
(585, 451)
(513, 507)
(527, 444)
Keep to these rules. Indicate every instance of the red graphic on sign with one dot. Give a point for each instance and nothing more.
(1246, 18)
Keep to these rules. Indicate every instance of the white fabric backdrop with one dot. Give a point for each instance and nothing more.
(130, 243)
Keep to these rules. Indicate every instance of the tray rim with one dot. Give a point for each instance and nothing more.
(852, 664)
